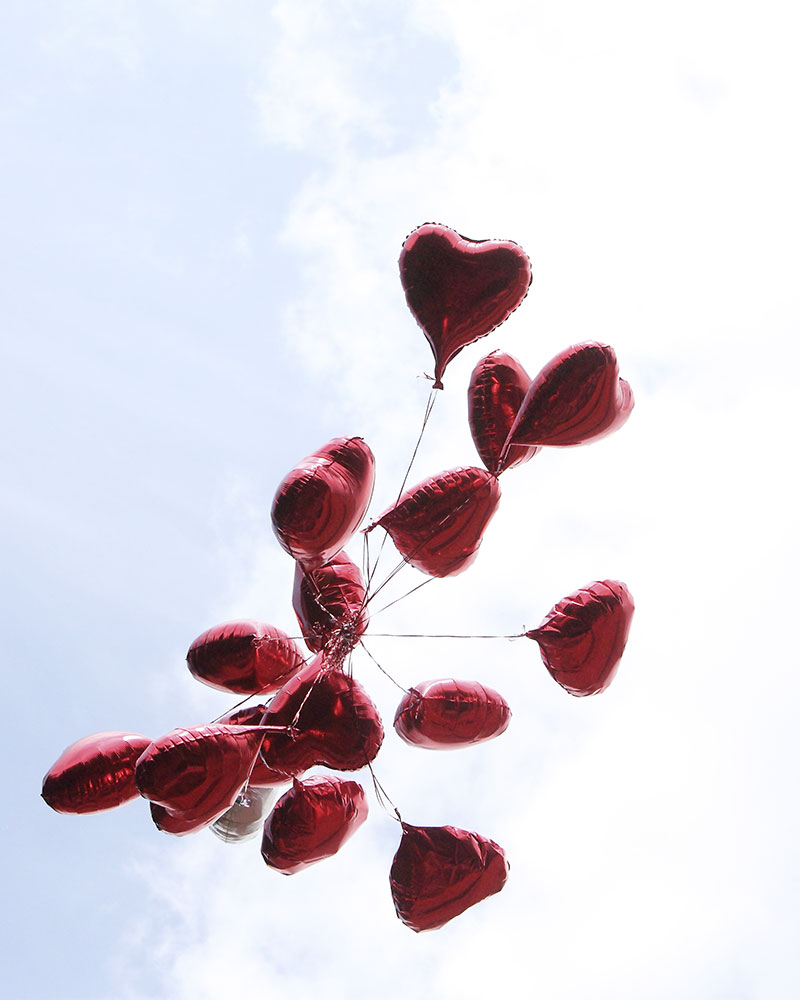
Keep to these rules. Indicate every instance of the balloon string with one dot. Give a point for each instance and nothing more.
(408, 593)
(383, 799)
(438, 526)
(441, 635)
(382, 670)
(426, 418)
(388, 580)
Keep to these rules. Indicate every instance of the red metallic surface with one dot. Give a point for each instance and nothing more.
(311, 822)
(245, 657)
(576, 398)
(496, 390)
(583, 638)
(438, 524)
(460, 289)
(95, 773)
(440, 871)
(332, 719)
(321, 502)
(198, 772)
(245, 818)
(329, 604)
(261, 776)
(179, 824)
(445, 714)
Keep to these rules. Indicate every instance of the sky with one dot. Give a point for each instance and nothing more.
(203, 205)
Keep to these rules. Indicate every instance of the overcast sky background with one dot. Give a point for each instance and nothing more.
(203, 204)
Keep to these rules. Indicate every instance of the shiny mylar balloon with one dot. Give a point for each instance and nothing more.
(440, 871)
(245, 818)
(94, 773)
(583, 638)
(181, 822)
(196, 774)
(445, 714)
(329, 604)
(460, 289)
(311, 822)
(245, 657)
(321, 502)
(330, 720)
(438, 524)
(496, 390)
(576, 398)
(261, 776)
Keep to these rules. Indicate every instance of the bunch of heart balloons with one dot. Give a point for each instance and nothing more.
(223, 775)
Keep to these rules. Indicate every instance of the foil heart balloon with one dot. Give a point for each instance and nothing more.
(95, 773)
(179, 823)
(330, 720)
(440, 871)
(583, 638)
(311, 822)
(438, 524)
(496, 390)
(321, 502)
(576, 398)
(460, 289)
(245, 657)
(441, 715)
(329, 604)
(197, 773)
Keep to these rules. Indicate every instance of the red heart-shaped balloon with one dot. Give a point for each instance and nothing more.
(245, 657)
(583, 638)
(577, 397)
(179, 822)
(440, 871)
(496, 390)
(442, 715)
(438, 524)
(198, 772)
(460, 289)
(330, 718)
(320, 503)
(311, 822)
(95, 773)
(329, 604)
